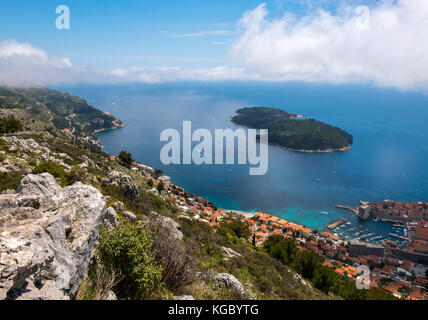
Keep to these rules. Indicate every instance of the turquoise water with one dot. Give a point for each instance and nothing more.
(388, 159)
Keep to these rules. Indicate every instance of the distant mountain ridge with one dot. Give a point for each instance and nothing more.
(288, 131)
(41, 108)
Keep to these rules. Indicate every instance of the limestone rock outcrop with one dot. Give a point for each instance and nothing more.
(130, 216)
(123, 181)
(230, 253)
(183, 298)
(47, 237)
(172, 226)
(228, 280)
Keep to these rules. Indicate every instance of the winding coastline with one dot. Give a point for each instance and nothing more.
(122, 125)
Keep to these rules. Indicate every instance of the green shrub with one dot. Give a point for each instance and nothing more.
(160, 186)
(306, 263)
(126, 158)
(280, 248)
(158, 173)
(325, 279)
(150, 183)
(67, 178)
(10, 180)
(128, 249)
(238, 227)
(203, 237)
(10, 125)
(54, 169)
(175, 257)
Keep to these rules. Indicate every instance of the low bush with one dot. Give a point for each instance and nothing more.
(10, 125)
(10, 180)
(53, 168)
(126, 159)
(238, 227)
(175, 257)
(66, 178)
(128, 249)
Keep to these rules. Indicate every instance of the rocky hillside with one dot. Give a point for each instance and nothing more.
(41, 109)
(76, 224)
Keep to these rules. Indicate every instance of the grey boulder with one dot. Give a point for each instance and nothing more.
(47, 237)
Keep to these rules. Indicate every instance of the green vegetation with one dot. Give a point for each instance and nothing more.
(281, 249)
(126, 158)
(143, 205)
(176, 258)
(157, 173)
(269, 278)
(10, 125)
(286, 131)
(41, 107)
(160, 186)
(10, 180)
(66, 178)
(237, 227)
(310, 266)
(128, 249)
(79, 113)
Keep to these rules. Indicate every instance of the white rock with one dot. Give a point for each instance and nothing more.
(230, 282)
(183, 298)
(168, 223)
(130, 216)
(47, 255)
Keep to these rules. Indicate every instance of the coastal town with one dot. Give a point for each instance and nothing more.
(400, 269)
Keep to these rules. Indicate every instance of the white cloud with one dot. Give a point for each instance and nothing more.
(163, 74)
(392, 50)
(205, 33)
(320, 47)
(22, 64)
(11, 48)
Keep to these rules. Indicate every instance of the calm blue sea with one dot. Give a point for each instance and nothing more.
(389, 158)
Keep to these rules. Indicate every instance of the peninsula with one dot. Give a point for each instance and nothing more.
(293, 132)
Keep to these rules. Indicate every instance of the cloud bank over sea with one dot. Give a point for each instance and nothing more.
(388, 48)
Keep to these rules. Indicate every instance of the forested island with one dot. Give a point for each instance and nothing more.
(290, 131)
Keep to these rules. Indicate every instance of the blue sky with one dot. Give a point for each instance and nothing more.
(381, 42)
(135, 32)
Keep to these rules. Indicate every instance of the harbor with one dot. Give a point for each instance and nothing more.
(336, 224)
(353, 210)
(371, 230)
